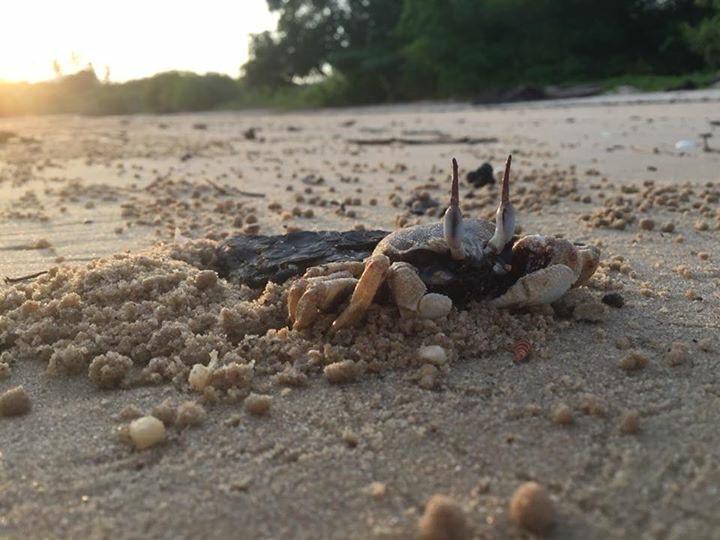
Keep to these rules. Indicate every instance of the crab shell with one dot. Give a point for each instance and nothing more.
(530, 260)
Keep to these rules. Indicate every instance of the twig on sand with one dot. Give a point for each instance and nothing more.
(440, 140)
(227, 190)
(10, 280)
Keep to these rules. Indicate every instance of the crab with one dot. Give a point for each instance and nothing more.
(425, 268)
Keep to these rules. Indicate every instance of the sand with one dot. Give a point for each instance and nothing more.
(622, 453)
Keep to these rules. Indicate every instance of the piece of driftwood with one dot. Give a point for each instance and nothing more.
(232, 191)
(435, 141)
(10, 280)
(255, 260)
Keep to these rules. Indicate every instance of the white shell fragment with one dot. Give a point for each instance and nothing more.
(146, 432)
(432, 354)
(685, 144)
(434, 306)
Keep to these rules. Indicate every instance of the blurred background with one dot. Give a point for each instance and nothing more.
(80, 56)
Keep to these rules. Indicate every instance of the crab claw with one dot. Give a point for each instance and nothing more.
(541, 287)
(549, 268)
(504, 216)
(453, 220)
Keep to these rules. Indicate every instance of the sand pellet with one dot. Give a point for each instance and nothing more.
(257, 404)
(443, 519)
(199, 377)
(633, 361)
(15, 402)
(146, 432)
(532, 509)
(630, 422)
(341, 372)
(432, 354)
(165, 412)
(190, 413)
(109, 370)
(562, 415)
(678, 354)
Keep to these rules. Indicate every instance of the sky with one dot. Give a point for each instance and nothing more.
(133, 38)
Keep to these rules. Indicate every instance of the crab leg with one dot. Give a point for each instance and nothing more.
(453, 220)
(353, 267)
(317, 297)
(406, 286)
(504, 216)
(411, 296)
(376, 267)
(304, 284)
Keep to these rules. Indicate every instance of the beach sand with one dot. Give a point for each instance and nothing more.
(625, 448)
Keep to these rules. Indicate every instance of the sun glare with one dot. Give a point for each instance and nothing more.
(128, 39)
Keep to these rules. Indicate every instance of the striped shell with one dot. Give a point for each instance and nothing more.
(522, 349)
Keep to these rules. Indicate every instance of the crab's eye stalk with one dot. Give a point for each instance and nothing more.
(505, 215)
(453, 221)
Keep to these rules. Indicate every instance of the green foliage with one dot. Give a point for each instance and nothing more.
(705, 37)
(335, 52)
(390, 49)
(83, 93)
(174, 91)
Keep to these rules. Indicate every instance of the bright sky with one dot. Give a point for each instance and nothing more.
(134, 38)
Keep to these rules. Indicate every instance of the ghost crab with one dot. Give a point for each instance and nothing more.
(427, 267)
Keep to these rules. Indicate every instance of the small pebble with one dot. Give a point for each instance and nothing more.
(15, 402)
(615, 300)
(532, 509)
(668, 227)
(443, 519)
(146, 432)
(257, 404)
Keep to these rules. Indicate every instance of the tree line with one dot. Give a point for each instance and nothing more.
(386, 50)
(335, 52)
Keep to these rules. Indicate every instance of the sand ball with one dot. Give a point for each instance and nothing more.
(531, 508)
(15, 402)
(257, 404)
(146, 432)
(443, 519)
